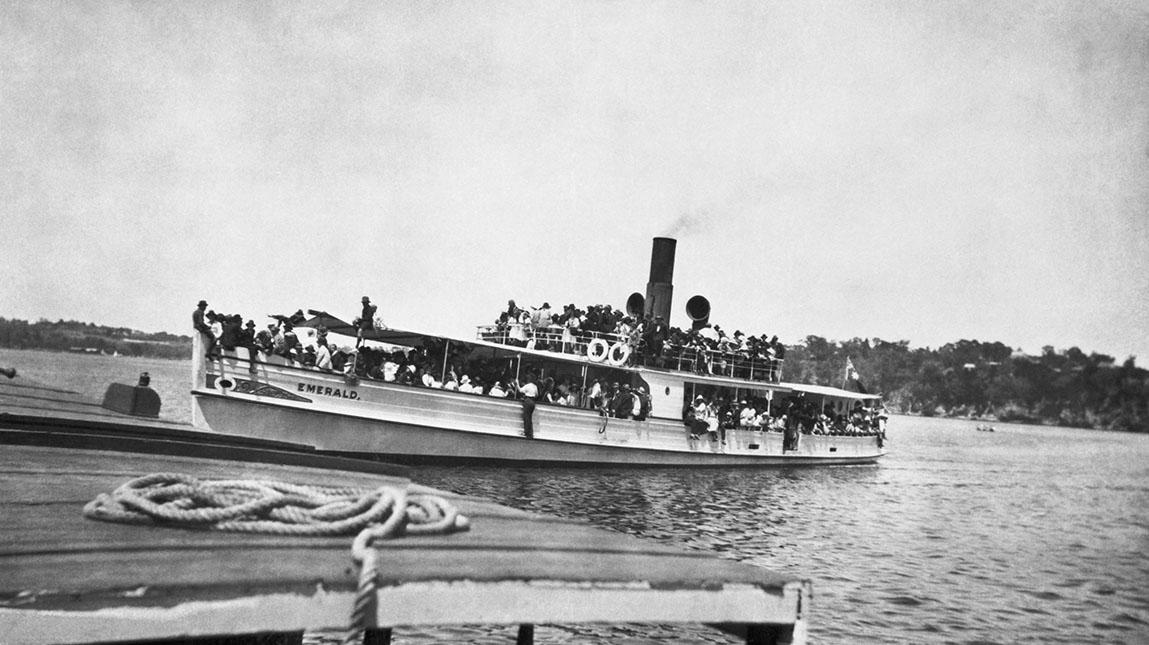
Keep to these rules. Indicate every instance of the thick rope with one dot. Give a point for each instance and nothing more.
(278, 508)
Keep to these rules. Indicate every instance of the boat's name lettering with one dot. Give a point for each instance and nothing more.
(328, 391)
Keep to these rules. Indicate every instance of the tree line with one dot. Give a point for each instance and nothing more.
(984, 380)
(71, 335)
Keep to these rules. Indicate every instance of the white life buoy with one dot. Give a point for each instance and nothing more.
(619, 352)
(224, 384)
(597, 350)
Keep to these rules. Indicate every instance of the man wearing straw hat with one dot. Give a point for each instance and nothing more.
(366, 320)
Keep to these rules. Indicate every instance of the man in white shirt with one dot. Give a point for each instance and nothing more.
(594, 394)
(747, 416)
(465, 385)
(450, 383)
(323, 357)
(529, 390)
(390, 369)
(430, 381)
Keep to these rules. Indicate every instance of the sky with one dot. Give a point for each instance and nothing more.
(916, 171)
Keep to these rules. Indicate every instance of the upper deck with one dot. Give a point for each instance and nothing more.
(608, 348)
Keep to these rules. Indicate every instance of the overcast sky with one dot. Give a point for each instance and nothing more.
(926, 171)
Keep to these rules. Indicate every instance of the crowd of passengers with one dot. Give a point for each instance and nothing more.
(423, 366)
(796, 415)
(650, 340)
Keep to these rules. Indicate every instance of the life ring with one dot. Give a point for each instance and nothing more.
(619, 352)
(224, 384)
(597, 350)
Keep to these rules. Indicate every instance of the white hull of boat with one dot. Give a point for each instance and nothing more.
(416, 424)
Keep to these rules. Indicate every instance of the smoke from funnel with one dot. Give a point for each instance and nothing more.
(685, 223)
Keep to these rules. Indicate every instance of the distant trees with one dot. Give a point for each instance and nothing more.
(65, 335)
(969, 377)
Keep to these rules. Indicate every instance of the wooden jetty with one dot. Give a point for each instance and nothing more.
(66, 579)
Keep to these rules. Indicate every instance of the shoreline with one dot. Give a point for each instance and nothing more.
(1044, 423)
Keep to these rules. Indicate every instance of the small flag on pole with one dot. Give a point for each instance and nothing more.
(852, 375)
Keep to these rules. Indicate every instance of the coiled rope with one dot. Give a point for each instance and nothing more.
(278, 508)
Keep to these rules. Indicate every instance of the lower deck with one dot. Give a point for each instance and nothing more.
(417, 424)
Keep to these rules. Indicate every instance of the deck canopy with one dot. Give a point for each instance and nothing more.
(387, 335)
(390, 336)
(403, 338)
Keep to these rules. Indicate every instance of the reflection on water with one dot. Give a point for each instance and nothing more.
(1027, 534)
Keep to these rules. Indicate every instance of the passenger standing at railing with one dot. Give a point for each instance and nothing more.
(204, 330)
(634, 339)
(570, 331)
(307, 356)
(779, 356)
(513, 310)
(622, 403)
(711, 416)
(247, 334)
(278, 341)
(747, 415)
(542, 316)
(656, 336)
(624, 328)
(323, 357)
(546, 335)
(290, 340)
(738, 342)
(517, 332)
(265, 340)
(643, 403)
(247, 341)
(232, 326)
(216, 323)
(594, 395)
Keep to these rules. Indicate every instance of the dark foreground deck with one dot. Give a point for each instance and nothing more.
(65, 579)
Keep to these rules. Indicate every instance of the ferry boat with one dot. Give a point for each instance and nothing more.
(346, 412)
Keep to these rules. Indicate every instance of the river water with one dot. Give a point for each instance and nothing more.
(1025, 535)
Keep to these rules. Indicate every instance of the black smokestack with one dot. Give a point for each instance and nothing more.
(660, 288)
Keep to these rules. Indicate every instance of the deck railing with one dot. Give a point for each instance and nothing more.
(688, 359)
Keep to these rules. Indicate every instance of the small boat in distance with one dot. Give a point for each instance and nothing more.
(691, 407)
